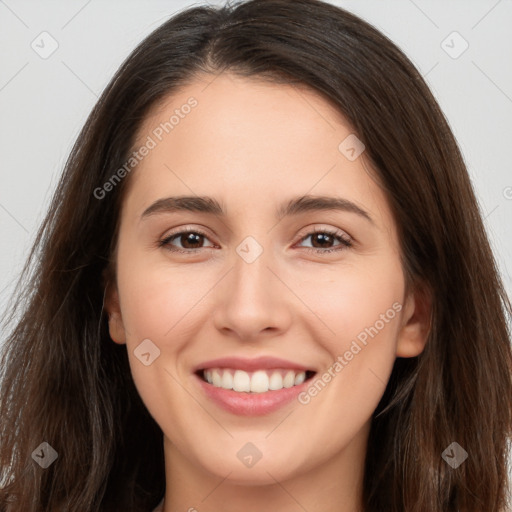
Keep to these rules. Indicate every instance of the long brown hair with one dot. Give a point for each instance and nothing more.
(66, 383)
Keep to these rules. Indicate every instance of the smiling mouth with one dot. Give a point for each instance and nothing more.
(259, 381)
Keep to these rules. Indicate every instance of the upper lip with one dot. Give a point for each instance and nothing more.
(248, 365)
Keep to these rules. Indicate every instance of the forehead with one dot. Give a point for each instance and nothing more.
(251, 142)
(245, 113)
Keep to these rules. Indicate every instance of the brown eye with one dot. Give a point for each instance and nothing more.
(190, 240)
(322, 240)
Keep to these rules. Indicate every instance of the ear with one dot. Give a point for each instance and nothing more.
(415, 329)
(115, 319)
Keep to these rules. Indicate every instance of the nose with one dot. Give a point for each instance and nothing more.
(252, 301)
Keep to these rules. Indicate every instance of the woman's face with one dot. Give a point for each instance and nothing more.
(268, 295)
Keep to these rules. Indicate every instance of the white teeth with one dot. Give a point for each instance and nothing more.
(227, 380)
(289, 379)
(259, 381)
(275, 381)
(241, 381)
(300, 378)
(217, 378)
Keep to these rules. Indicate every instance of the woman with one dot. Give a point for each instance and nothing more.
(190, 337)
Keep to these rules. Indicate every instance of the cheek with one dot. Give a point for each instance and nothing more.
(350, 299)
(156, 305)
(164, 305)
(362, 309)
(157, 298)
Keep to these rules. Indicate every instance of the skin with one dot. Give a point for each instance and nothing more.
(253, 145)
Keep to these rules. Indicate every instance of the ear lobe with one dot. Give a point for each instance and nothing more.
(416, 319)
(115, 319)
(116, 329)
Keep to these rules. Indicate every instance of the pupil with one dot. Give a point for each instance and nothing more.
(190, 239)
(323, 237)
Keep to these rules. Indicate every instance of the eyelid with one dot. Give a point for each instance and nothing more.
(181, 230)
(323, 229)
(345, 240)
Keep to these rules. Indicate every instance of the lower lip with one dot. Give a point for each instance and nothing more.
(251, 404)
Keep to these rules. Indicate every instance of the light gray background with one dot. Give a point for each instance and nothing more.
(44, 102)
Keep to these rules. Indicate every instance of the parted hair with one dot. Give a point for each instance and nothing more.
(66, 383)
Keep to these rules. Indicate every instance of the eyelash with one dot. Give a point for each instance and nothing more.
(345, 243)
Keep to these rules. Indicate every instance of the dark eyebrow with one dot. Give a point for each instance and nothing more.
(294, 206)
(303, 204)
(200, 204)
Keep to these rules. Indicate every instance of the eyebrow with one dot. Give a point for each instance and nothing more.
(295, 206)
